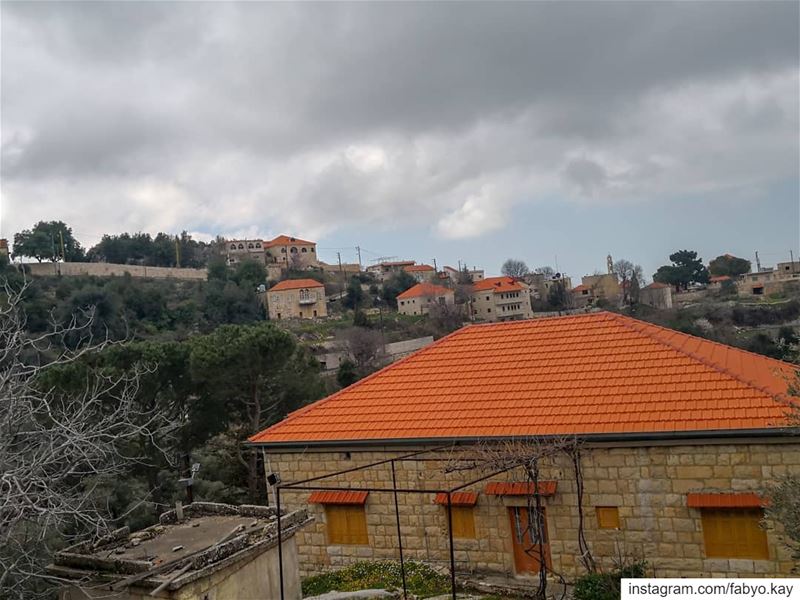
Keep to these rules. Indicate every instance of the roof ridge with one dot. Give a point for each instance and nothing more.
(303, 409)
(633, 323)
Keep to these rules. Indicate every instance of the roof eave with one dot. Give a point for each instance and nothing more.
(659, 436)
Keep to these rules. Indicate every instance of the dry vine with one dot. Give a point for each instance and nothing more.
(528, 455)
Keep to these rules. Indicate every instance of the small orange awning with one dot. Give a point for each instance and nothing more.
(726, 500)
(457, 498)
(337, 497)
(513, 488)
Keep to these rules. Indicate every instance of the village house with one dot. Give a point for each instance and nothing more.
(202, 551)
(383, 270)
(540, 284)
(500, 299)
(238, 250)
(716, 282)
(291, 252)
(679, 437)
(418, 299)
(421, 272)
(604, 287)
(658, 295)
(769, 281)
(296, 299)
(452, 274)
(582, 296)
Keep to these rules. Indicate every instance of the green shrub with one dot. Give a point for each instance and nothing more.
(421, 579)
(606, 586)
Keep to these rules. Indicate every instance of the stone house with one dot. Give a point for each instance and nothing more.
(417, 300)
(421, 272)
(238, 250)
(291, 252)
(582, 296)
(717, 281)
(452, 274)
(296, 299)
(680, 436)
(604, 287)
(769, 281)
(500, 299)
(384, 270)
(658, 295)
(540, 284)
(207, 551)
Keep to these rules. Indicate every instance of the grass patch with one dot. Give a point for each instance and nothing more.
(421, 579)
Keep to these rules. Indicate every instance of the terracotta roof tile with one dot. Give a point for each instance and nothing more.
(582, 374)
(337, 497)
(457, 498)
(295, 284)
(413, 268)
(424, 289)
(726, 500)
(514, 488)
(287, 240)
(497, 285)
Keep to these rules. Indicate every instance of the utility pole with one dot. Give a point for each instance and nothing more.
(63, 252)
(358, 249)
(341, 272)
(791, 259)
(758, 262)
(435, 268)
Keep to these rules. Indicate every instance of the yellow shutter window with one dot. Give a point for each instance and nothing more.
(734, 533)
(347, 524)
(607, 517)
(463, 521)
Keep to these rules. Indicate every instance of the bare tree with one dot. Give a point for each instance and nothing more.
(631, 278)
(547, 272)
(365, 347)
(57, 449)
(515, 268)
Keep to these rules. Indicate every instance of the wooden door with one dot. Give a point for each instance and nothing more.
(527, 557)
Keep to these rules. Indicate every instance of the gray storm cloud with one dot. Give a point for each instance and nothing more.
(262, 116)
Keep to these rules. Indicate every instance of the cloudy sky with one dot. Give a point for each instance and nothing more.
(468, 131)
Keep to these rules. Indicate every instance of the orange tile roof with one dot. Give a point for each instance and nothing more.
(457, 498)
(497, 285)
(580, 288)
(424, 289)
(286, 240)
(726, 500)
(295, 284)
(719, 278)
(588, 374)
(417, 268)
(337, 497)
(519, 488)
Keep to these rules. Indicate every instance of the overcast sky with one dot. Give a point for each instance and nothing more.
(542, 131)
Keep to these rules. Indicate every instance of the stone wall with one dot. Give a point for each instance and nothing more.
(99, 269)
(648, 484)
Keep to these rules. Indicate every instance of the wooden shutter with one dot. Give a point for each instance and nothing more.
(347, 524)
(734, 533)
(463, 521)
(607, 517)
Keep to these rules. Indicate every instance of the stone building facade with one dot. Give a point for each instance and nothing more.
(296, 299)
(500, 299)
(418, 299)
(649, 487)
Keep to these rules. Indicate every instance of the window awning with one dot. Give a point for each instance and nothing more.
(527, 488)
(338, 497)
(725, 500)
(457, 499)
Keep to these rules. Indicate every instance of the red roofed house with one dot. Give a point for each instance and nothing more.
(296, 299)
(418, 299)
(657, 295)
(421, 272)
(681, 438)
(291, 252)
(500, 299)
